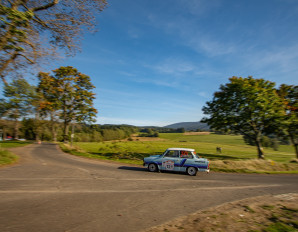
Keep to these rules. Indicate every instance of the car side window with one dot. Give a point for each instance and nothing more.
(186, 155)
(172, 154)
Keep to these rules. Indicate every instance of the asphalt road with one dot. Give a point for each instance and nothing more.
(49, 190)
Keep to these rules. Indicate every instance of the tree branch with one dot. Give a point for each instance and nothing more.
(55, 2)
(3, 79)
(29, 60)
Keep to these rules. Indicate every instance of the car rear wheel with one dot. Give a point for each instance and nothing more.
(152, 168)
(192, 171)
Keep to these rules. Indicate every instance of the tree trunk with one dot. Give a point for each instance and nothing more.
(4, 133)
(294, 142)
(66, 130)
(54, 132)
(66, 123)
(16, 129)
(72, 134)
(37, 127)
(37, 137)
(53, 128)
(260, 149)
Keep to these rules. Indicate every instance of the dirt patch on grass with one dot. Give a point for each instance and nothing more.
(253, 166)
(265, 213)
(138, 138)
(197, 133)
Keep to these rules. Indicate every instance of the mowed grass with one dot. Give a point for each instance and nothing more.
(7, 157)
(234, 152)
(233, 147)
(14, 143)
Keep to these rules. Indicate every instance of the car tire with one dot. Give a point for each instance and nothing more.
(192, 171)
(152, 167)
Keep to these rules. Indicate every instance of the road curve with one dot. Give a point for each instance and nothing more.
(49, 190)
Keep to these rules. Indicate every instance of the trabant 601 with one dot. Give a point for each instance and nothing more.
(177, 160)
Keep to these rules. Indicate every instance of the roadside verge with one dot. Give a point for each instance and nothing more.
(259, 214)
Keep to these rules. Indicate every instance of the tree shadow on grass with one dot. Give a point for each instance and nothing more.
(107, 155)
(217, 156)
(140, 156)
(129, 155)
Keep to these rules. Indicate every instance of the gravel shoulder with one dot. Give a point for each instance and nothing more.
(264, 213)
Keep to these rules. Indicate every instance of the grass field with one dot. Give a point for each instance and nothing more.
(234, 151)
(13, 143)
(7, 157)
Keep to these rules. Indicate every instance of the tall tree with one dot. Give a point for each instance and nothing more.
(19, 97)
(48, 106)
(245, 105)
(289, 96)
(3, 114)
(32, 29)
(69, 93)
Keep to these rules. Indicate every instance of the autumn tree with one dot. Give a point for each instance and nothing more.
(247, 106)
(34, 29)
(48, 106)
(69, 94)
(19, 97)
(3, 122)
(289, 96)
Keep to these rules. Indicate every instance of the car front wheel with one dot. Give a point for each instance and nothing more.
(192, 171)
(152, 168)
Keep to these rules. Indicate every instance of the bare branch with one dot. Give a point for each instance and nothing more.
(55, 2)
(45, 26)
(3, 80)
(28, 59)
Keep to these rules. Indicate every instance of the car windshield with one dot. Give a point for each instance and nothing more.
(196, 155)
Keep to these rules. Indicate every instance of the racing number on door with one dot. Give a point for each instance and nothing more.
(168, 165)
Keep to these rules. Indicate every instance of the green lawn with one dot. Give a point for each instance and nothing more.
(7, 157)
(236, 156)
(13, 143)
(233, 148)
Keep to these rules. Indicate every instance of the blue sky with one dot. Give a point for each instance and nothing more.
(158, 62)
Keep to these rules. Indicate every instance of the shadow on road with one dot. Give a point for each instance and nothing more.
(138, 169)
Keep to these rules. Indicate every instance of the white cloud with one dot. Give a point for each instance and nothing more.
(210, 47)
(191, 32)
(175, 66)
(129, 74)
(203, 94)
(158, 82)
(113, 92)
(277, 64)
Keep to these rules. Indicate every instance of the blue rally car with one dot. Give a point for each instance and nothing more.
(177, 159)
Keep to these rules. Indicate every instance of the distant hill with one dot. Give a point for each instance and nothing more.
(188, 126)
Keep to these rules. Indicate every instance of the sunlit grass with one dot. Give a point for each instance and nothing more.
(233, 147)
(7, 157)
(14, 143)
(236, 156)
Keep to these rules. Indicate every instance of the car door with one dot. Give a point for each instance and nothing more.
(171, 161)
(186, 159)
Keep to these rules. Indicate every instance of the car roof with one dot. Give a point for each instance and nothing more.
(180, 149)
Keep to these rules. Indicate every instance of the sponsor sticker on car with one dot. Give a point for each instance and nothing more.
(168, 165)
